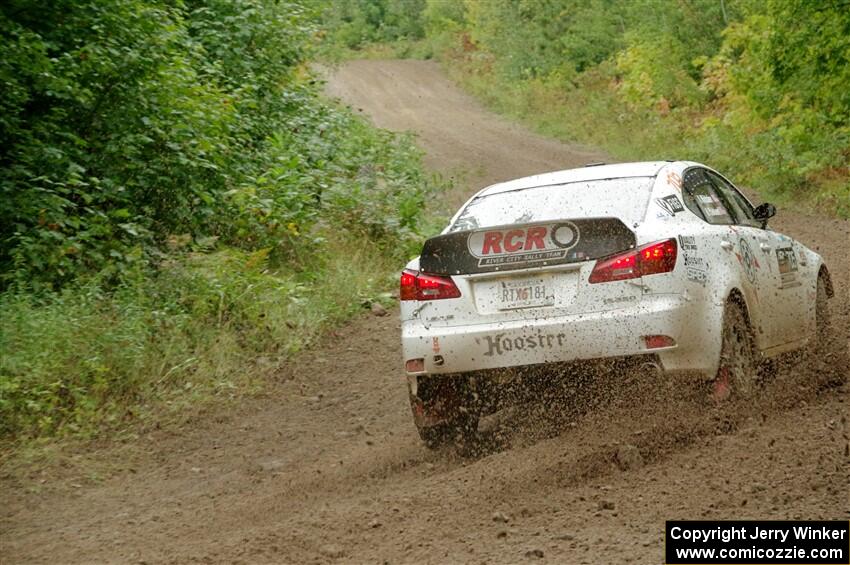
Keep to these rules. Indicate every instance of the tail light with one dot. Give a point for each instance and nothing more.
(421, 286)
(650, 259)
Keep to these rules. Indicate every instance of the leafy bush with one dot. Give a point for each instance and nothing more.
(84, 361)
(104, 148)
(143, 120)
(357, 23)
(755, 87)
(176, 201)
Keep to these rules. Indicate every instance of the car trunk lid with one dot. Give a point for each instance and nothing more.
(526, 271)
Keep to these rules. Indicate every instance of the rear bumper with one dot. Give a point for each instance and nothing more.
(611, 333)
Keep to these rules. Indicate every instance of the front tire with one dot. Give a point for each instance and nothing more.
(821, 341)
(737, 375)
(828, 352)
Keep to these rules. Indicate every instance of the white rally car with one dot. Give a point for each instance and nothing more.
(662, 262)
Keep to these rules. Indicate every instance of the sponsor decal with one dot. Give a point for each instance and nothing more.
(747, 260)
(696, 267)
(523, 244)
(787, 260)
(435, 344)
(687, 243)
(674, 179)
(446, 318)
(499, 344)
(512, 247)
(695, 262)
(619, 299)
(699, 276)
(671, 204)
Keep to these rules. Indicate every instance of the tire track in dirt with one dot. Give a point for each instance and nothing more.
(328, 467)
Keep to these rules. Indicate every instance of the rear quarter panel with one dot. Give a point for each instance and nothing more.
(704, 276)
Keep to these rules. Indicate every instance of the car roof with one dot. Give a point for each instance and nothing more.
(587, 173)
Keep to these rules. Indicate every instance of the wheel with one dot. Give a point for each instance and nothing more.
(826, 352)
(460, 429)
(445, 408)
(738, 371)
(819, 344)
(822, 319)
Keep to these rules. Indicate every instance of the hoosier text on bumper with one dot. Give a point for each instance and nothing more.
(499, 344)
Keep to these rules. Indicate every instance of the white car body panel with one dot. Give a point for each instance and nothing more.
(603, 320)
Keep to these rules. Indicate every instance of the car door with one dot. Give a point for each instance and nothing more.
(785, 299)
(739, 247)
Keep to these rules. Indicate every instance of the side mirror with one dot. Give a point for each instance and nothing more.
(764, 212)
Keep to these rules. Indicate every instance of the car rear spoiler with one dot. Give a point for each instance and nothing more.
(512, 247)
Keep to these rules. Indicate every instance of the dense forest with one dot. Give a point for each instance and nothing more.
(754, 87)
(179, 208)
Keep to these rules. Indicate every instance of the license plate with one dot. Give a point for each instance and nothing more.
(523, 293)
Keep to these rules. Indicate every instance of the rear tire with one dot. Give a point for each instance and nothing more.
(737, 375)
(822, 317)
(452, 401)
(459, 430)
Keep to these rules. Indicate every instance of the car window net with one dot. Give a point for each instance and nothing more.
(699, 193)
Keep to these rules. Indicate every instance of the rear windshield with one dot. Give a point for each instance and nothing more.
(624, 198)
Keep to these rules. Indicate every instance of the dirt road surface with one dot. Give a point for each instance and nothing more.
(328, 467)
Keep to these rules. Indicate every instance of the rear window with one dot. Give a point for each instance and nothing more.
(624, 198)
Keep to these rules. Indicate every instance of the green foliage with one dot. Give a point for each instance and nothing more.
(755, 87)
(785, 68)
(357, 23)
(85, 362)
(796, 49)
(142, 120)
(534, 38)
(651, 74)
(88, 178)
(176, 199)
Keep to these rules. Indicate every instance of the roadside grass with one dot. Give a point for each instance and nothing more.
(209, 326)
(87, 369)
